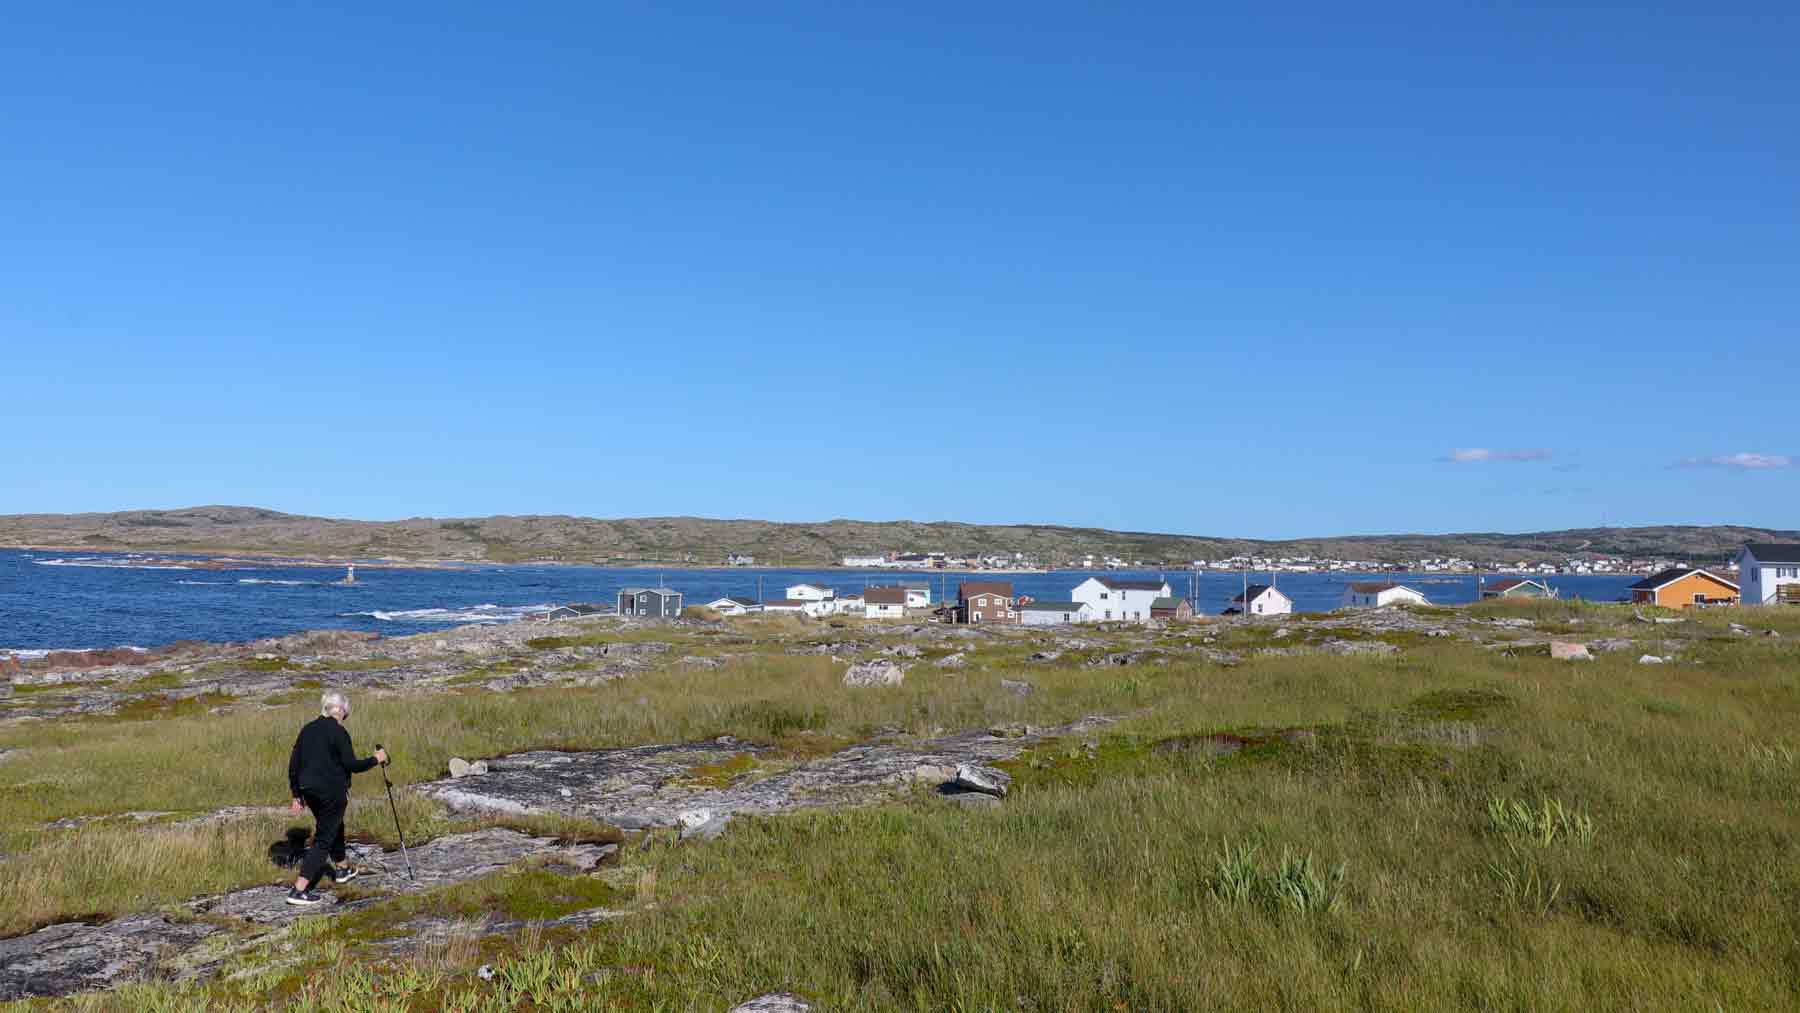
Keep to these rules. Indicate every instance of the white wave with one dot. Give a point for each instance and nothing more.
(468, 614)
(34, 653)
(284, 583)
(197, 582)
(109, 564)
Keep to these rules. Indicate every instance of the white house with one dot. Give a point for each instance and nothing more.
(918, 595)
(884, 603)
(786, 605)
(1055, 613)
(1364, 594)
(1768, 572)
(734, 606)
(1112, 599)
(1261, 600)
(810, 592)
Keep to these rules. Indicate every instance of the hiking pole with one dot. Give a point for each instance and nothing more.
(396, 811)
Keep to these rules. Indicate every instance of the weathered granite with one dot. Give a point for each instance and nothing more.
(78, 957)
(779, 1002)
(650, 786)
(875, 673)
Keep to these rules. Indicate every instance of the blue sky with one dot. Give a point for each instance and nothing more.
(1402, 268)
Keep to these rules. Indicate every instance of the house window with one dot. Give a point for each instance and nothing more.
(1103, 596)
(1699, 599)
(1108, 611)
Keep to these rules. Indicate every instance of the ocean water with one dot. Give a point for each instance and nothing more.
(73, 601)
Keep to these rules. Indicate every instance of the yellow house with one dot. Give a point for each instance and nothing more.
(1684, 588)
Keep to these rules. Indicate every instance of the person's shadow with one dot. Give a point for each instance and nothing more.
(288, 851)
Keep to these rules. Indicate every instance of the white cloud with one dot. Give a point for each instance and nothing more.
(1740, 462)
(1470, 455)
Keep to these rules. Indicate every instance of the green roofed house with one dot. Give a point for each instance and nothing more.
(1517, 587)
(1171, 608)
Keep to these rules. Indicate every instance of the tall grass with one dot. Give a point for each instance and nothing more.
(1565, 847)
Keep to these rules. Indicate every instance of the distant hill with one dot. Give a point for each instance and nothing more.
(223, 529)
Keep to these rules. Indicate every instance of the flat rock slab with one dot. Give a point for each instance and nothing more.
(781, 1002)
(77, 957)
(460, 857)
(651, 786)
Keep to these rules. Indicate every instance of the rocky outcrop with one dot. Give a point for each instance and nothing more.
(78, 957)
(651, 786)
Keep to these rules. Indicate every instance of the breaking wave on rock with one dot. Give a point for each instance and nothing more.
(488, 613)
(103, 563)
(34, 653)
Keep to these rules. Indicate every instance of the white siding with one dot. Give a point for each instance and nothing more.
(1759, 583)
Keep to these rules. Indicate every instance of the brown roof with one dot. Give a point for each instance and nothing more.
(1506, 585)
(1372, 587)
(885, 596)
(971, 588)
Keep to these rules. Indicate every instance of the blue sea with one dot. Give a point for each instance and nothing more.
(74, 601)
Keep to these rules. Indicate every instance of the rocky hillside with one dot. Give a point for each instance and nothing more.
(707, 541)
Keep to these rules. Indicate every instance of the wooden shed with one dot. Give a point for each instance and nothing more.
(1681, 588)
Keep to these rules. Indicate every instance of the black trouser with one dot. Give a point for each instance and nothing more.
(328, 834)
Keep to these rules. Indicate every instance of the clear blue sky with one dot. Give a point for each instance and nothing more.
(1371, 269)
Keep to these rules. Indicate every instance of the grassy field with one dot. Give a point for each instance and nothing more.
(1449, 827)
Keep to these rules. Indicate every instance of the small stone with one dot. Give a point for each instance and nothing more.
(459, 767)
(1016, 686)
(565, 793)
(1568, 650)
(710, 830)
(691, 818)
(956, 660)
(986, 780)
(1650, 659)
(485, 973)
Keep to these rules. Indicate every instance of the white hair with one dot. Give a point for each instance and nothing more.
(332, 700)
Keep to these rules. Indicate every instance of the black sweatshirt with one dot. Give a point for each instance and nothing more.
(323, 759)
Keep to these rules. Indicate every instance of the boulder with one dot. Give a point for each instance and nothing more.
(956, 660)
(1045, 656)
(903, 651)
(708, 830)
(1569, 650)
(460, 767)
(1650, 659)
(1016, 686)
(986, 780)
(874, 673)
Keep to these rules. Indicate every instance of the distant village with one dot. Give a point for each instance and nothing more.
(1587, 564)
(1769, 575)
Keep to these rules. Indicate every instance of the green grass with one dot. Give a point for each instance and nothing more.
(1445, 828)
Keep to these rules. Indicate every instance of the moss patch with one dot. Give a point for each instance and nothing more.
(1457, 704)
